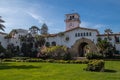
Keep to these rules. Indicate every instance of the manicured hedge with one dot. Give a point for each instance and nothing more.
(85, 61)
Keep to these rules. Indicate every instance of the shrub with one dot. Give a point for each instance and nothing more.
(54, 52)
(95, 65)
(94, 56)
(67, 56)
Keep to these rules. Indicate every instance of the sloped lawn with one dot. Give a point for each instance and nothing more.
(55, 71)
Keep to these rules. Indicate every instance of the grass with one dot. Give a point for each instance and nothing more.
(55, 71)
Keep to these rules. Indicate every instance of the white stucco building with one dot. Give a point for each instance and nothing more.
(77, 37)
(74, 37)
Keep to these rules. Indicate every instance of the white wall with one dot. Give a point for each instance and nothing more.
(72, 38)
(3, 41)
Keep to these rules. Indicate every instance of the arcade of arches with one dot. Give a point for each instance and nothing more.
(83, 46)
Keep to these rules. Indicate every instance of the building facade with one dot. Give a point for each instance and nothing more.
(78, 39)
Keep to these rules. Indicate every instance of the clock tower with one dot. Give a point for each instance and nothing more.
(72, 21)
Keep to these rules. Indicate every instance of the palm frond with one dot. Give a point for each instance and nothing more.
(2, 27)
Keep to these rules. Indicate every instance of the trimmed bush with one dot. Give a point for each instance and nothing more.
(9, 60)
(95, 65)
(25, 59)
(94, 56)
(21, 58)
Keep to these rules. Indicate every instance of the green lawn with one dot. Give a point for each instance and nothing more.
(55, 71)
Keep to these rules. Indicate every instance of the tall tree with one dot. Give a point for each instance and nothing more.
(13, 32)
(44, 29)
(108, 32)
(34, 30)
(1, 25)
(105, 48)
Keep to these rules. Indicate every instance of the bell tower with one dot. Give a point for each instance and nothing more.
(72, 21)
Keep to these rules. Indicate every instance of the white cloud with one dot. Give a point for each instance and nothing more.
(40, 19)
(36, 17)
(93, 25)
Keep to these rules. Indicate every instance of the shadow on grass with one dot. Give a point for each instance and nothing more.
(110, 71)
(7, 66)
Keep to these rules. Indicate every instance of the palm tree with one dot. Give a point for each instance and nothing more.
(105, 48)
(34, 30)
(40, 40)
(1, 25)
(13, 32)
(108, 32)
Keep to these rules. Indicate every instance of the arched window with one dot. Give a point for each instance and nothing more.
(81, 34)
(53, 43)
(84, 33)
(90, 34)
(87, 34)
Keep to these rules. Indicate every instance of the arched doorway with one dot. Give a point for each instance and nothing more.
(83, 46)
(83, 49)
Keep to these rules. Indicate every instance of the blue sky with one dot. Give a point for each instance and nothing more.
(98, 14)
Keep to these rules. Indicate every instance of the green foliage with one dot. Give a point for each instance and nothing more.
(67, 56)
(105, 48)
(94, 56)
(30, 45)
(27, 59)
(40, 40)
(95, 65)
(34, 60)
(55, 52)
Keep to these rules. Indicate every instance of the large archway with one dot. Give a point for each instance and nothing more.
(83, 49)
(83, 46)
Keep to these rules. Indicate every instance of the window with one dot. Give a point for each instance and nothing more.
(47, 44)
(90, 34)
(81, 34)
(117, 39)
(53, 43)
(84, 33)
(75, 34)
(87, 34)
(78, 34)
(71, 17)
